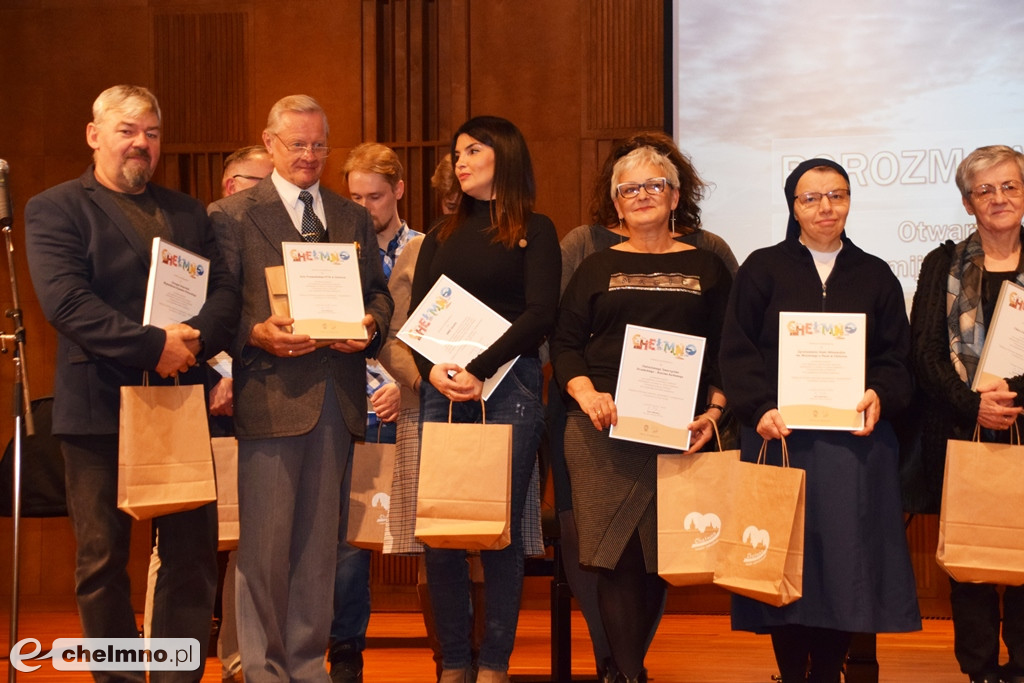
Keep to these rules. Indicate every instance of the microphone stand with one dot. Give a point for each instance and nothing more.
(21, 409)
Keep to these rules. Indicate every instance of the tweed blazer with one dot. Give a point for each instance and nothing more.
(274, 396)
(90, 270)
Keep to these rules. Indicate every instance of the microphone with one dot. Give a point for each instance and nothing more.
(6, 212)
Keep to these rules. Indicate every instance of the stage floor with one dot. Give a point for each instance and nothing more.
(691, 648)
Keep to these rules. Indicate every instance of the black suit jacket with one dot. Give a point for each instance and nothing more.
(90, 269)
(275, 396)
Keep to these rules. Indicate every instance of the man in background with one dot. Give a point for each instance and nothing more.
(242, 169)
(374, 176)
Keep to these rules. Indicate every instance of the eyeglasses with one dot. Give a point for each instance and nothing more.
(987, 193)
(812, 199)
(247, 177)
(317, 149)
(653, 186)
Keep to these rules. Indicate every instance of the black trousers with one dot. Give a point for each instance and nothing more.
(976, 626)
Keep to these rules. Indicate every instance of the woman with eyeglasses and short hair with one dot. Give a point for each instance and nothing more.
(956, 295)
(857, 576)
(648, 279)
(605, 230)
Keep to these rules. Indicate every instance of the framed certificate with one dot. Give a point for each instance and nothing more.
(656, 393)
(325, 295)
(176, 290)
(1003, 353)
(452, 326)
(821, 369)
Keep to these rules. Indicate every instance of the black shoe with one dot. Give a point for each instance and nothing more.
(606, 673)
(986, 678)
(641, 677)
(347, 666)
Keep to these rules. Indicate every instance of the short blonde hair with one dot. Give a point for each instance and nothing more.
(130, 100)
(299, 104)
(983, 159)
(373, 157)
(642, 156)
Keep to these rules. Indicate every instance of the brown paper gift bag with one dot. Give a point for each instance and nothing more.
(981, 532)
(373, 465)
(761, 553)
(691, 501)
(225, 464)
(165, 461)
(464, 495)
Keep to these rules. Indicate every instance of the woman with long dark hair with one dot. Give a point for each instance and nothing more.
(495, 247)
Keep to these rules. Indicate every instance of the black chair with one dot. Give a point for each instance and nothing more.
(42, 469)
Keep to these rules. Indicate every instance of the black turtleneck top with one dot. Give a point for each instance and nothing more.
(520, 284)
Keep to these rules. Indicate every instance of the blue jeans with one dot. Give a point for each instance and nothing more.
(516, 401)
(187, 580)
(352, 571)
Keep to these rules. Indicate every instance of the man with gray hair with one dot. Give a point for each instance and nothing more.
(89, 249)
(298, 403)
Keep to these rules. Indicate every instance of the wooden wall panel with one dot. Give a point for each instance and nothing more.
(405, 91)
(624, 43)
(200, 77)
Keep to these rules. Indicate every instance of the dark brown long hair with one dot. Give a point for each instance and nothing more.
(514, 188)
(691, 186)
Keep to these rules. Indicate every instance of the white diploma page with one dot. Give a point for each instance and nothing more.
(656, 394)
(325, 295)
(1003, 353)
(821, 369)
(452, 326)
(177, 284)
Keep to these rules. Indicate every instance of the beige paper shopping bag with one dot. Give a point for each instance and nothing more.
(464, 494)
(373, 466)
(225, 463)
(692, 497)
(762, 546)
(165, 461)
(981, 532)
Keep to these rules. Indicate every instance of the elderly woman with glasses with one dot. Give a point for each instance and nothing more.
(648, 279)
(605, 230)
(857, 576)
(955, 299)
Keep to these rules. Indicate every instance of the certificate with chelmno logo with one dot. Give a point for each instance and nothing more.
(325, 295)
(656, 394)
(821, 369)
(1003, 353)
(452, 326)
(176, 290)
